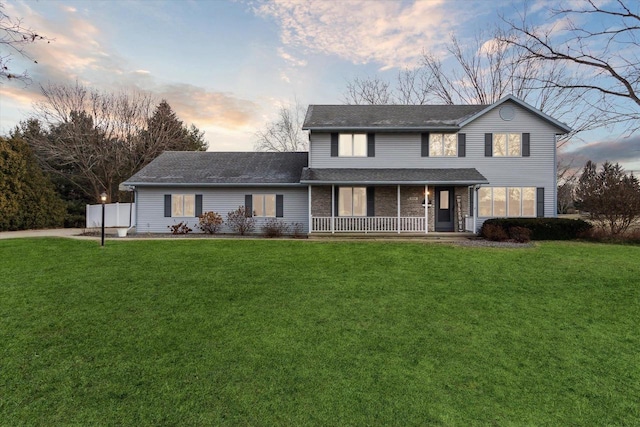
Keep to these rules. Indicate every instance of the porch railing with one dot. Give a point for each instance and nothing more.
(377, 224)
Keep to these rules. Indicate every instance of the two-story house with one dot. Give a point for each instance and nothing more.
(372, 168)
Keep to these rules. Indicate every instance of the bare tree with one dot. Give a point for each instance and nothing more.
(605, 58)
(88, 137)
(285, 133)
(14, 37)
(370, 90)
(567, 178)
(480, 72)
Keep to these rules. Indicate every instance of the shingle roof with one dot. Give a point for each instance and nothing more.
(205, 167)
(388, 116)
(392, 176)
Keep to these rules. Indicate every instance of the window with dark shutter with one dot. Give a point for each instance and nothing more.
(334, 145)
(424, 144)
(167, 205)
(198, 204)
(371, 201)
(279, 205)
(526, 145)
(488, 144)
(248, 205)
(371, 145)
(462, 145)
(540, 202)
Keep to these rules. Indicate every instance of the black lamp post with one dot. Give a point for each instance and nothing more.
(103, 200)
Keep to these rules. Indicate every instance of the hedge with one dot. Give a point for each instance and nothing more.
(543, 228)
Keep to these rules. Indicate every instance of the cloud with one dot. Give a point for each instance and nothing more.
(81, 52)
(624, 151)
(391, 33)
(207, 108)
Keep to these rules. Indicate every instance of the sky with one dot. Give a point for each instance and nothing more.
(227, 66)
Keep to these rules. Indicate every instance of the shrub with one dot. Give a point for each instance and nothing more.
(493, 232)
(543, 228)
(297, 230)
(210, 222)
(179, 228)
(520, 234)
(240, 221)
(274, 228)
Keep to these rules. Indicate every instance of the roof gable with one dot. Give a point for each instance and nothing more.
(521, 103)
(221, 168)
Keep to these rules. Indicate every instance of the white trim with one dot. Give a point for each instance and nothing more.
(333, 208)
(426, 209)
(309, 198)
(398, 200)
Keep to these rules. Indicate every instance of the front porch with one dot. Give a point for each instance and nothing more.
(399, 209)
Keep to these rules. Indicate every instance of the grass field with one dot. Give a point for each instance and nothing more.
(260, 332)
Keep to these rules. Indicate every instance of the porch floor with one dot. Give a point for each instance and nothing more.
(431, 236)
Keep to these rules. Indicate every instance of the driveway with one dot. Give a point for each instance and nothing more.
(53, 232)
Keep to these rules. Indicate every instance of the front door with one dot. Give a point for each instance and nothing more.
(444, 209)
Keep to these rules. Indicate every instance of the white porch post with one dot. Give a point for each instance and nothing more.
(475, 208)
(398, 209)
(310, 217)
(426, 207)
(333, 209)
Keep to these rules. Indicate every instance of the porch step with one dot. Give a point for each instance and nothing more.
(431, 236)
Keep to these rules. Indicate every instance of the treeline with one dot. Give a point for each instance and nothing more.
(78, 143)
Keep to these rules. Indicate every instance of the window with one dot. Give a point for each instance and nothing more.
(352, 145)
(183, 205)
(264, 205)
(507, 145)
(352, 201)
(443, 145)
(506, 201)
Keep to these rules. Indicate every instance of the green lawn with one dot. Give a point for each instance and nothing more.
(286, 332)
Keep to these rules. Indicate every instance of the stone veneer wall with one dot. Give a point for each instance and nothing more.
(386, 202)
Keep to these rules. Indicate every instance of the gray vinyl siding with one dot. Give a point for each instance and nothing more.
(150, 204)
(403, 150)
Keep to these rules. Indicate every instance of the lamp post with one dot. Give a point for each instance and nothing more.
(103, 200)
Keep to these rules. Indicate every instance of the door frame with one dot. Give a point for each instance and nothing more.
(444, 226)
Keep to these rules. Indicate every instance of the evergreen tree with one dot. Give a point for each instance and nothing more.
(27, 197)
(611, 197)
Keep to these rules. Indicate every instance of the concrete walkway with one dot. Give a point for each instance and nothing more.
(52, 232)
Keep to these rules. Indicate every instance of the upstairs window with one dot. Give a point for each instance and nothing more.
(352, 145)
(507, 145)
(443, 145)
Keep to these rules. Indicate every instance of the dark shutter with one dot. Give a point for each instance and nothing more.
(424, 144)
(462, 144)
(167, 205)
(279, 205)
(540, 202)
(336, 195)
(471, 194)
(488, 144)
(371, 145)
(526, 145)
(248, 205)
(334, 145)
(370, 201)
(198, 204)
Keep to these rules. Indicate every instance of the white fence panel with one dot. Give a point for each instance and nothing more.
(115, 215)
